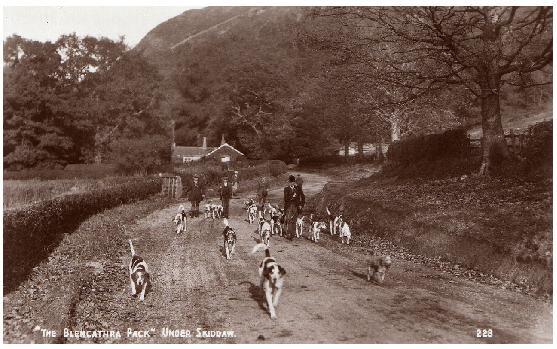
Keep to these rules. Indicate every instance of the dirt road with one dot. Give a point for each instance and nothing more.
(326, 299)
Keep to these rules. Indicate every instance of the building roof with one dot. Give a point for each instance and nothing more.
(192, 151)
(224, 145)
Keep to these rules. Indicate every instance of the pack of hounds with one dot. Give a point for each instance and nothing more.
(271, 274)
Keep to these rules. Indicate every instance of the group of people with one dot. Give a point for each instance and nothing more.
(294, 199)
(196, 194)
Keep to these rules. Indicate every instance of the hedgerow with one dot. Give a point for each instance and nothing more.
(212, 174)
(30, 231)
(539, 147)
(449, 144)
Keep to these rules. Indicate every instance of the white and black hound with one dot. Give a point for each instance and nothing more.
(230, 238)
(181, 220)
(345, 233)
(271, 279)
(139, 275)
(316, 228)
(265, 229)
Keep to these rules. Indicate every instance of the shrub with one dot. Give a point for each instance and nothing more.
(450, 144)
(71, 171)
(277, 167)
(29, 232)
(25, 192)
(337, 159)
(539, 147)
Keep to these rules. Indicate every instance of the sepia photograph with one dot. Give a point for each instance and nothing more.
(312, 174)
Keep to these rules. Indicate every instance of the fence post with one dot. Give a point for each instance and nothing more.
(511, 136)
(178, 187)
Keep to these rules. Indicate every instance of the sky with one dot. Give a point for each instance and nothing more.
(48, 23)
(38, 22)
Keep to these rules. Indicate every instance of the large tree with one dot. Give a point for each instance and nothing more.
(479, 49)
(77, 100)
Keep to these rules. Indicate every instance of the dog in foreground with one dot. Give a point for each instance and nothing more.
(230, 238)
(378, 267)
(272, 278)
(139, 275)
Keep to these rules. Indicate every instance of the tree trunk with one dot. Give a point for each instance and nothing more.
(346, 149)
(379, 151)
(494, 146)
(395, 128)
(360, 149)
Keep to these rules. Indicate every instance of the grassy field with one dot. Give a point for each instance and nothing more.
(19, 193)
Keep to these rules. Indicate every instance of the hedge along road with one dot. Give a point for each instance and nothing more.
(326, 298)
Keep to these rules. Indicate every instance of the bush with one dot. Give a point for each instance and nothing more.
(539, 147)
(29, 232)
(80, 171)
(277, 167)
(337, 159)
(437, 169)
(450, 144)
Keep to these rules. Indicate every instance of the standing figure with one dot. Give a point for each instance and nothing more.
(225, 193)
(262, 192)
(235, 183)
(195, 196)
(294, 201)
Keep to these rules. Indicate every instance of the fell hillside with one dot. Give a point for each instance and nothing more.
(157, 45)
(218, 59)
(166, 44)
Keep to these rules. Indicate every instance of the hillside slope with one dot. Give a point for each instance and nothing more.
(157, 45)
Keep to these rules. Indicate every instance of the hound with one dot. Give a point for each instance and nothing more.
(248, 203)
(252, 213)
(300, 226)
(331, 218)
(139, 275)
(378, 267)
(344, 233)
(336, 224)
(271, 279)
(208, 210)
(316, 229)
(181, 220)
(265, 231)
(218, 211)
(230, 238)
(276, 219)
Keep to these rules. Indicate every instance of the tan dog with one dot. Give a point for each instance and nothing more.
(272, 278)
(378, 267)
